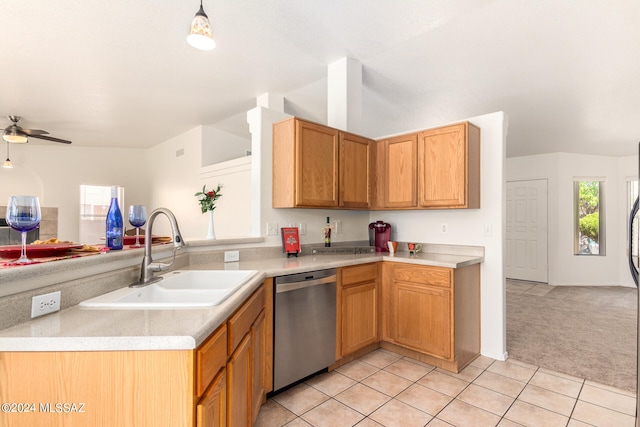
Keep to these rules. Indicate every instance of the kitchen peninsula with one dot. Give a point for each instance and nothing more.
(110, 359)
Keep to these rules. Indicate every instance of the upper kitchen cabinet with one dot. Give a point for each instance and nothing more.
(449, 167)
(305, 165)
(396, 169)
(315, 166)
(356, 171)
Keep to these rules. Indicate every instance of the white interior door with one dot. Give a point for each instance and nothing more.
(527, 230)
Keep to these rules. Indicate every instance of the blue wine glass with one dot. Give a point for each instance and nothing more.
(23, 214)
(137, 218)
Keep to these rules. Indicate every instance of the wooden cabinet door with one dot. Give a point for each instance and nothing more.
(258, 341)
(316, 165)
(211, 411)
(239, 385)
(356, 171)
(423, 318)
(449, 167)
(400, 168)
(359, 316)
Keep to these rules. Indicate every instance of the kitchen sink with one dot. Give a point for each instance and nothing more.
(177, 289)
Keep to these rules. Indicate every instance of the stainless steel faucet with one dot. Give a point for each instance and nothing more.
(148, 266)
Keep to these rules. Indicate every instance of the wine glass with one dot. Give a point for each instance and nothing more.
(137, 218)
(23, 214)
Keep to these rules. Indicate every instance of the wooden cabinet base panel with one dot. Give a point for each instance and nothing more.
(456, 366)
(355, 355)
(102, 388)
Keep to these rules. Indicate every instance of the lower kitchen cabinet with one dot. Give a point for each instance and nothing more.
(357, 309)
(432, 312)
(422, 318)
(221, 383)
(259, 338)
(245, 367)
(239, 385)
(212, 408)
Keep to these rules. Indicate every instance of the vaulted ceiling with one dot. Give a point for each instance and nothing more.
(120, 73)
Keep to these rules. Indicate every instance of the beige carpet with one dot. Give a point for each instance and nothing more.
(586, 331)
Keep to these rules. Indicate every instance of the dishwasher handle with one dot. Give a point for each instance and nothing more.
(286, 287)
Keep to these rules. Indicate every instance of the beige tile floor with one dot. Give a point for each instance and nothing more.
(387, 389)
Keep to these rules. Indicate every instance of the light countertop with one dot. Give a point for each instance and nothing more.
(81, 329)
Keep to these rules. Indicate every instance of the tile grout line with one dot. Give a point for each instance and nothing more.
(576, 404)
(516, 398)
(453, 398)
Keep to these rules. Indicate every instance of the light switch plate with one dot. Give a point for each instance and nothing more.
(45, 304)
(302, 227)
(272, 229)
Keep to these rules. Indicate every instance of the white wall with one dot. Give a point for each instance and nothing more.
(220, 146)
(233, 218)
(559, 169)
(177, 177)
(54, 172)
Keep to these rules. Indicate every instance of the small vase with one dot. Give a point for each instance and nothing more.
(211, 235)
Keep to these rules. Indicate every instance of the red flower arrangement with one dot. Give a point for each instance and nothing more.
(207, 198)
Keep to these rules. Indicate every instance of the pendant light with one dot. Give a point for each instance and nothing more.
(200, 35)
(7, 163)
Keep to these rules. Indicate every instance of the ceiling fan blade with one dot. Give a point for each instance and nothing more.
(50, 138)
(32, 132)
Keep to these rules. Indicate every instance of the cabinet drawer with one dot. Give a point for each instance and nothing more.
(240, 323)
(359, 273)
(211, 356)
(435, 276)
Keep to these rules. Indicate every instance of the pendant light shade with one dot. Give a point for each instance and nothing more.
(7, 163)
(200, 35)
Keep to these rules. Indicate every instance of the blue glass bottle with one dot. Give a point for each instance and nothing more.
(114, 222)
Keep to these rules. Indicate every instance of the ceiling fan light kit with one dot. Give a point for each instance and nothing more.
(14, 137)
(200, 35)
(15, 134)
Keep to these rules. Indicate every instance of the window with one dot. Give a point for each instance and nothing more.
(94, 204)
(588, 196)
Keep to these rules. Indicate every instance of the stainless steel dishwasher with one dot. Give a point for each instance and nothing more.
(304, 331)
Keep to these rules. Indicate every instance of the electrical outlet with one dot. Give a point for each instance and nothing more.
(231, 256)
(45, 304)
(337, 227)
(444, 228)
(302, 228)
(272, 229)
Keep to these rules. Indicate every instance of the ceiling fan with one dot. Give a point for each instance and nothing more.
(18, 135)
